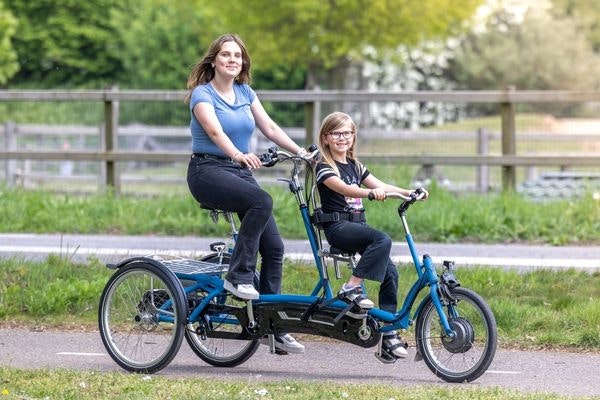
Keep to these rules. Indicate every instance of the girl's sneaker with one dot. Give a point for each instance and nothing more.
(352, 293)
(392, 345)
(285, 344)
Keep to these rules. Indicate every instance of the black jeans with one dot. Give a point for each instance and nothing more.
(375, 264)
(228, 186)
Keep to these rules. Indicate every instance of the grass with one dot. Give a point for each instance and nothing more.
(444, 218)
(61, 384)
(540, 309)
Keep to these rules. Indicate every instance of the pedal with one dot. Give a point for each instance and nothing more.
(385, 358)
(361, 315)
(272, 348)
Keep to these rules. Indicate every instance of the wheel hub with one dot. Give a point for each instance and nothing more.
(464, 336)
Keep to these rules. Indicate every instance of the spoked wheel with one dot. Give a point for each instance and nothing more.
(469, 354)
(218, 351)
(141, 317)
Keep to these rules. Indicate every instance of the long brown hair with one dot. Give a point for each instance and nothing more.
(330, 123)
(203, 71)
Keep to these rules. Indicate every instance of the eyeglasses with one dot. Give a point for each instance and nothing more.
(338, 134)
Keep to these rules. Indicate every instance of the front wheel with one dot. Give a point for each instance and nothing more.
(141, 317)
(469, 354)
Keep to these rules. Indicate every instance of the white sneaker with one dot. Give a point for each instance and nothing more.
(243, 291)
(392, 344)
(285, 343)
(363, 302)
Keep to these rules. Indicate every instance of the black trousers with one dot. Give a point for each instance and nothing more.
(375, 264)
(228, 186)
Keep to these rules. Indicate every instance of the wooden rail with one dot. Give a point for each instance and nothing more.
(109, 154)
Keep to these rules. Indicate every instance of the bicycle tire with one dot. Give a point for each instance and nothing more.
(129, 317)
(216, 351)
(467, 357)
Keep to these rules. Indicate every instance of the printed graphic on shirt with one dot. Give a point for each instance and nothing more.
(354, 204)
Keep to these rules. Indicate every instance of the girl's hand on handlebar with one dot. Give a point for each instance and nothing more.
(421, 193)
(377, 194)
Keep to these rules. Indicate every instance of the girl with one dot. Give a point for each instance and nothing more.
(339, 180)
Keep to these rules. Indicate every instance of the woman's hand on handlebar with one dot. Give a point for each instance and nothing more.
(250, 160)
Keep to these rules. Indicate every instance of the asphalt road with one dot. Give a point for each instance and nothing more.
(552, 372)
(112, 248)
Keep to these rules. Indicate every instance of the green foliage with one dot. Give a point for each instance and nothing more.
(39, 211)
(55, 288)
(524, 55)
(586, 13)
(163, 40)
(444, 217)
(541, 308)
(318, 35)
(8, 56)
(77, 46)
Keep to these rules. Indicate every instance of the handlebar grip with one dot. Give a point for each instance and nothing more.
(269, 158)
(370, 196)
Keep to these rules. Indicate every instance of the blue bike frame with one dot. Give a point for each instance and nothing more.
(427, 276)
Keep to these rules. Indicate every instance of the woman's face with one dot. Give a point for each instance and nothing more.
(228, 62)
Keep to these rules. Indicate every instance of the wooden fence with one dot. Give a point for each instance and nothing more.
(109, 154)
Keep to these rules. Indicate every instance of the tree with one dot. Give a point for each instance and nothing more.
(162, 39)
(539, 53)
(8, 56)
(327, 37)
(66, 42)
(586, 14)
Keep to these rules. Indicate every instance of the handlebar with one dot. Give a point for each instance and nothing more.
(417, 194)
(274, 156)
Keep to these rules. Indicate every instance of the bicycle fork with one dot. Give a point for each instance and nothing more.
(431, 279)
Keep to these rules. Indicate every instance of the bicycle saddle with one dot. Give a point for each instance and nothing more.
(205, 207)
(341, 252)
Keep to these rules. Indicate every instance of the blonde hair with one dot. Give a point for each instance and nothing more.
(331, 123)
(203, 71)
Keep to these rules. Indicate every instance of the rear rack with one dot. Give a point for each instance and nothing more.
(180, 265)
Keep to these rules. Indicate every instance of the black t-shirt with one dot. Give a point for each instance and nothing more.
(352, 173)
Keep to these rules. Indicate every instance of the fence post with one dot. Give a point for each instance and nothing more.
(483, 148)
(10, 144)
(111, 128)
(312, 115)
(509, 176)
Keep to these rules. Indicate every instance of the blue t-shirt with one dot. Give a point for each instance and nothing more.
(236, 119)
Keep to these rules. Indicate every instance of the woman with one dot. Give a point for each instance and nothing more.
(224, 113)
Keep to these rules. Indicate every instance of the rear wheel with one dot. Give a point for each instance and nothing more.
(469, 354)
(218, 351)
(141, 317)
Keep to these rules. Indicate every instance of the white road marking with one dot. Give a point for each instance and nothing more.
(489, 371)
(70, 353)
(305, 256)
(95, 251)
(495, 261)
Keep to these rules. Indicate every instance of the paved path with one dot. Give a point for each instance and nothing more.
(110, 248)
(560, 373)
